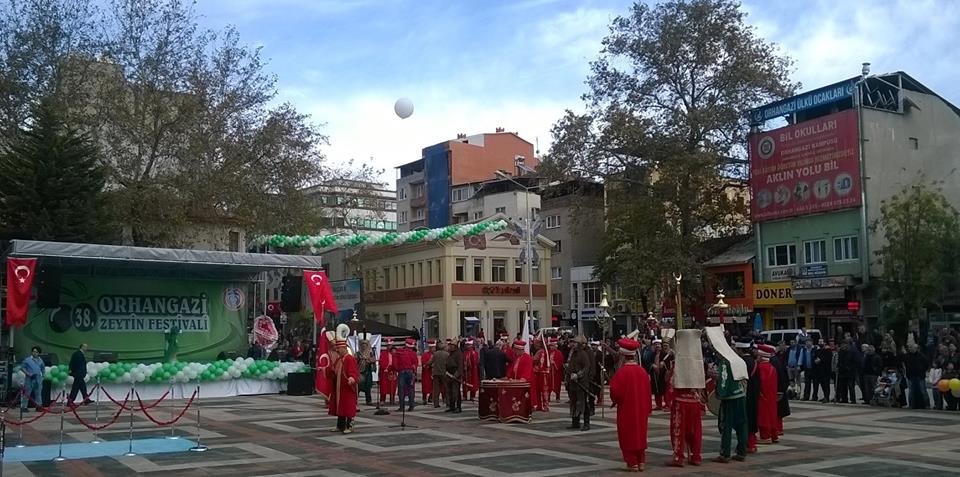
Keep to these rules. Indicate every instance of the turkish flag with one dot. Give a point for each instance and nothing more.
(323, 361)
(320, 294)
(19, 281)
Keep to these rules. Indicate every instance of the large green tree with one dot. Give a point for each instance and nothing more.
(52, 182)
(665, 130)
(187, 118)
(921, 252)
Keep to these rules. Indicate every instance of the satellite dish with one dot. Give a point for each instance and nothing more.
(403, 107)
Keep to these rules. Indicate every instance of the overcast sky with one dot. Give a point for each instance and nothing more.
(472, 66)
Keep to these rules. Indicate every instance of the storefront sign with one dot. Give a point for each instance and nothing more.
(772, 294)
(805, 168)
(801, 102)
(835, 312)
(819, 270)
(782, 274)
(825, 282)
(738, 310)
(502, 290)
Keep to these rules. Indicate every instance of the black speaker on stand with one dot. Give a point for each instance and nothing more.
(48, 287)
(290, 293)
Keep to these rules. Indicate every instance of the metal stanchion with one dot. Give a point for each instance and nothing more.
(60, 457)
(20, 443)
(96, 415)
(3, 437)
(199, 447)
(173, 425)
(130, 452)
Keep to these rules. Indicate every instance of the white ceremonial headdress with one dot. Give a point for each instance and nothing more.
(719, 342)
(688, 373)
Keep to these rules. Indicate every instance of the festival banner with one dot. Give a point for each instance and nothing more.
(19, 280)
(129, 316)
(805, 168)
(346, 295)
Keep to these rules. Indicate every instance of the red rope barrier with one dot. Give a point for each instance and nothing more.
(123, 405)
(172, 421)
(112, 420)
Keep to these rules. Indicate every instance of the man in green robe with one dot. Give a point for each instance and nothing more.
(731, 390)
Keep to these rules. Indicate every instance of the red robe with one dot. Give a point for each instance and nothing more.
(767, 407)
(686, 425)
(343, 395)
(542, 371)
(557, 364)
(630, 393)
(471, 376)
(426, 375)
(511, 354)
(521, 368)
(388, 376)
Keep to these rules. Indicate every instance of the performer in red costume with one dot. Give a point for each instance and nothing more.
(522, 365)
(543, 373)
(343, 375)
(767, 418)
(388, 375)
(630, 393)
(686, 408)
(471, 376)
(557, 367)
(426, 374)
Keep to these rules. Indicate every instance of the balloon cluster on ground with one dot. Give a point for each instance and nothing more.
(323, 242)
(951, 385)
(177, 372)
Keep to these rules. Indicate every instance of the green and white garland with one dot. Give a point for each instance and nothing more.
(179, 372)
(373, 239)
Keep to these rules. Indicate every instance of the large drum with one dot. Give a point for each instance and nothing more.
(713, 402)
(504, 400)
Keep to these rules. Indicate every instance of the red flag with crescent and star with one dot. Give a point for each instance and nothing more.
(19, 281)
(321, 296)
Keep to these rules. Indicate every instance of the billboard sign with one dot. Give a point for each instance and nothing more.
(129, 316)
(811, 99)
(347, 295)
(805, 168)
(773, 294)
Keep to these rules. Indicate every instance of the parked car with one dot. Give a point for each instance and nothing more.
(778, 336)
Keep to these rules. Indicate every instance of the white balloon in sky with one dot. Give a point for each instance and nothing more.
(403, 107)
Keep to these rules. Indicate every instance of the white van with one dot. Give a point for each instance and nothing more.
(778, 336)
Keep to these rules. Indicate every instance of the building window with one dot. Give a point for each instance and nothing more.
(403, 276)
(461, 269)
(498, 270)
(535, 212)
(478, 269)
(401, 193)
(556, 273)
(518, 272)
(553, 221)
(461, 193)
(396, 276)
(781, 255)
(591, 294)
(732, 284)
(815, 251)
(418, 213)
(477, 215)
(557, 299)
(536, 272)
(914, 143)
(403, 216)
(440, 272)
(401, 320)
(234, 241)
(558, 247)
(386, 318)
(420, 274)
(574, 295)
(846, 248)
(501, 210)
(386, 278)
(430, 272)
(417, 190)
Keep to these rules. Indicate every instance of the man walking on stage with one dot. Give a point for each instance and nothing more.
(342, 374)
(453, 376)
(731, 384)
(580, 369)
(686, 427)
(78, 369)
(630, 393)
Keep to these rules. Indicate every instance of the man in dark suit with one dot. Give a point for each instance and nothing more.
(494, 363)
(78, 369)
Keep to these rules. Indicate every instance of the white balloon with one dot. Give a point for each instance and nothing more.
(403, 107)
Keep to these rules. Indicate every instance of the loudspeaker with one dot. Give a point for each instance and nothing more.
(48, 287)
(49, 359)
(290, 292)
(300, 384)
(104, 356)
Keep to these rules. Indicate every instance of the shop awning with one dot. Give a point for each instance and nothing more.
(804, 294)
(163, 262)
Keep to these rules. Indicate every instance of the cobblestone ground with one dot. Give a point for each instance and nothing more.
(285, 435)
